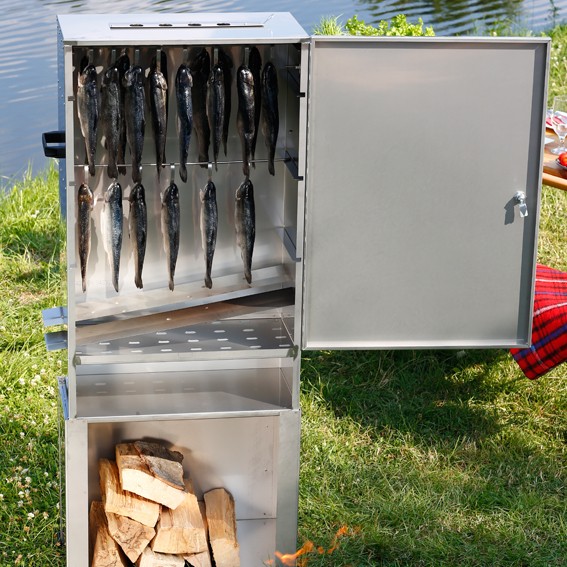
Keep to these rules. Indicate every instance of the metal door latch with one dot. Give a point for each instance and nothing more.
(520, 199)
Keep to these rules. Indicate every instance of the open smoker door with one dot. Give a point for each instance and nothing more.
(416, 149)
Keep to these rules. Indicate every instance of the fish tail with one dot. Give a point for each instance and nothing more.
(183, 172)
(84, 278)
(138, 281)
(248, 275)
(208, 280)
(171, 286)
(115, 281)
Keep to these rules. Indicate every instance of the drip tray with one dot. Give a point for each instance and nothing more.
(228, 338)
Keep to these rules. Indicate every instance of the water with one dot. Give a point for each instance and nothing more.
(28, 57)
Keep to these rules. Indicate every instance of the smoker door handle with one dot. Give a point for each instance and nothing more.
(54, 144)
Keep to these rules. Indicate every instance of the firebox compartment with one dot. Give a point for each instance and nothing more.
(392, 221)
(252, 456)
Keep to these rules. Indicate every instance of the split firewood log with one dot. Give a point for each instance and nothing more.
(221, 520)
(118, 501)
(136, 477)
(181, 530)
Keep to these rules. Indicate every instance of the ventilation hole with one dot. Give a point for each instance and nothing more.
(136, 351)
(100, 383)
(247, 330)
(196, 348)
(222, 339)
(219, 331)
(104, 344)
(284, 345)
(133, 342)
(226, 348)
(190, 332)
(192, 340)
(163, 342)
(166, 350)
(166, 25)
(194, 25)
(161, 333)
(255, 346)
(251, 338)
(136, 25)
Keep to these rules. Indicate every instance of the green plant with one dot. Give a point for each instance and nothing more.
(329, 25)
(398, 26)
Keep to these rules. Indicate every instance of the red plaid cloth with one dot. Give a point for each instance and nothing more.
(549, 334)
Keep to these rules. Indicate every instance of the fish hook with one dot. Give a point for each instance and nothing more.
(185, 55)
(172, 174)
(136, 56)
(215, 55)
(158, 60)
(113, 57)
(210, 170)
(246, 56)
(85, 174)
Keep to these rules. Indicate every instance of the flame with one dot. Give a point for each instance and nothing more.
(300, 557)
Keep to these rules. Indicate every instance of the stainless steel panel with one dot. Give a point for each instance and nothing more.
(416, 147)
(189, 392)
(194, 28)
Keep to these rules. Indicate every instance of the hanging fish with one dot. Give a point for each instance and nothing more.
(111, 225)
(85, 202)
(183, 84)
(270, 112)
(209, 226)
(245, 223)
(134, 110)
(158, 109)
(170, 214)
(88, 111)
(201, 69)
(245, 116)
(138, 225)
(226, 64)
(111, 115)
(255, 66)
(123, 64)
(215, 108)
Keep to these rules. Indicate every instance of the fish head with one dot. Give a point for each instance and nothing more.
(85, 195)
(88, 75)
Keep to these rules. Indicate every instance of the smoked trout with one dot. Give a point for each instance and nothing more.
(88, 111)
(183, 84)
(85, 202)
(138, 226)
(111, 225)
(255, 66)
(200, 70)
(245, 223)
(123, 64)
(111, 114)
(170, 214)
(245, 118)
(209, 226)
(134, 110)
(270, 112)
(215, 108)
(158, 111)
(226, 63)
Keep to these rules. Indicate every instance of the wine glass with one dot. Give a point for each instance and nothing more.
(559, 122)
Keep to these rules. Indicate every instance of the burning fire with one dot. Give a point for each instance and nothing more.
(301, 557)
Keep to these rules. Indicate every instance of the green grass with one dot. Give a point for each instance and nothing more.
(433, 458)
(31, 237)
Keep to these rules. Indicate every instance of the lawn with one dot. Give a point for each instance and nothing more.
(434, 458)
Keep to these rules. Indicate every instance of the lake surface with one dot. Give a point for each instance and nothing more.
(28, 44)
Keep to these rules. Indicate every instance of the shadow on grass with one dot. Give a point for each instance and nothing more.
(436, 395)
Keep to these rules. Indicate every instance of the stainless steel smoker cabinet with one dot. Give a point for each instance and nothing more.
(403, 213)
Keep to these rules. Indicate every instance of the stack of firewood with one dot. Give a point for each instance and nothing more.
(150, 517)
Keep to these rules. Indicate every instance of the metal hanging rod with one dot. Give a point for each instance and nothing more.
(201, 163)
